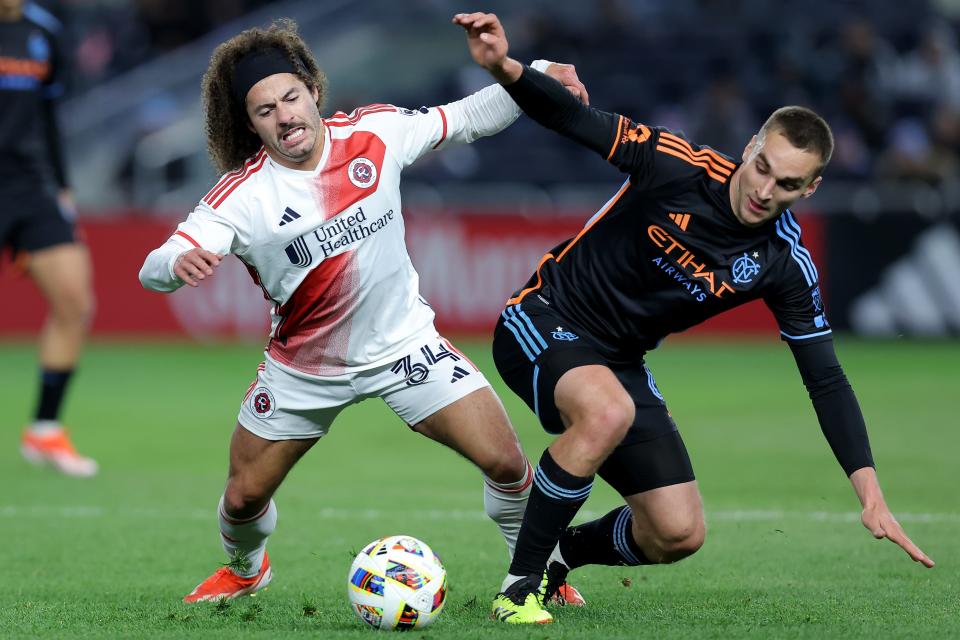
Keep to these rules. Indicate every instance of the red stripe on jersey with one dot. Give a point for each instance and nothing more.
(333, 190)
(233, 175)
(443, 136)
(314, 334)
(252, 170)
(189, 239)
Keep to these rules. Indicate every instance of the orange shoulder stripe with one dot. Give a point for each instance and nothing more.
(713, 155)
(697, 156)
(699, 163)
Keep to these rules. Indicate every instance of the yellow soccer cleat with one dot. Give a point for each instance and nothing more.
(522, 603)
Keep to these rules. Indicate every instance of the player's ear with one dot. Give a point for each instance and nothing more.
(749, 148)
(812, 187)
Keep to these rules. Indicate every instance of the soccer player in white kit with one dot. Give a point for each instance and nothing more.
(311, 206)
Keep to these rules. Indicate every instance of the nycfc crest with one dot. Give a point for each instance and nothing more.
(362, 173)
(567, 336)
(745, 268)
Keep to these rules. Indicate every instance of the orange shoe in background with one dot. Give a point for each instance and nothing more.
(53, 447)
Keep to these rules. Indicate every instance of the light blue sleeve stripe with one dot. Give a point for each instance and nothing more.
(506, 323)
(808, 336)
(792, 222)
(652, 384)
(793, 252)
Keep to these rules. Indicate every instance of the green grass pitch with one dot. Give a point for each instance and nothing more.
(785, 555)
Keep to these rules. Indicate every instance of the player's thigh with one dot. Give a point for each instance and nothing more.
(440, 393)
(477, 427)
(63, 274)
(557, 372)
(258, 465)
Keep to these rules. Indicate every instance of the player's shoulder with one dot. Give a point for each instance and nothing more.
(42, 18)
(366, 117)
(234, 187)
(798, 262)
(687, 159)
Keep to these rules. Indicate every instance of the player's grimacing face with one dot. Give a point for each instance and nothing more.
(283, 112)
(773, 176)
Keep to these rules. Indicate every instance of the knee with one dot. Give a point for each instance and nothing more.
(678, 542)
(607, 425)
(73, 307)
(505, 466)
(242, 500)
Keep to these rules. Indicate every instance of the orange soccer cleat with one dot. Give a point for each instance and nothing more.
(557, 590)
(54, 448)
(224, 584)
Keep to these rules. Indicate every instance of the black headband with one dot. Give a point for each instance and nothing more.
(257, 65)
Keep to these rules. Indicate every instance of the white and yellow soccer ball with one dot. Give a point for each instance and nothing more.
(397, 582)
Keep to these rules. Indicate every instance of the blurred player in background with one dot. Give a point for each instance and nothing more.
(690, 234)
(312, 207)
(36, 219)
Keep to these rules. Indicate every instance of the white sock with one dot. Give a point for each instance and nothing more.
(44, 427)
(248, 537)
(505, 504)
(509, 580)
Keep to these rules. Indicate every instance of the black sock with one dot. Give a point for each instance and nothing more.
(53, 385)
(608, 541)
(555, 498)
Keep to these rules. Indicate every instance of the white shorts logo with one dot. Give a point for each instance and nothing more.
(262, 402)
(362, 173)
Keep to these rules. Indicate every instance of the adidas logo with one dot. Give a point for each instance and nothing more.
(289, 215)
(682, 219)
(917, 294)
(458, 374)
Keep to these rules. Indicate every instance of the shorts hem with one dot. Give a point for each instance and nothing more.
(275, 437)
(446, 402)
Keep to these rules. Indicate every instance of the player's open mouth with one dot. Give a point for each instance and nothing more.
(754, 207)
(293, 136)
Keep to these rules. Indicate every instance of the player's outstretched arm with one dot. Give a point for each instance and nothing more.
(877, 518)
(544, 99)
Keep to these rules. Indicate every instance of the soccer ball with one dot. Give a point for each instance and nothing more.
(397, 583)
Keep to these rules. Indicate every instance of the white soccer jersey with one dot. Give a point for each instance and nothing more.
(327, 246)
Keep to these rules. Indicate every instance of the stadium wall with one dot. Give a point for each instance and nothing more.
(469, 263)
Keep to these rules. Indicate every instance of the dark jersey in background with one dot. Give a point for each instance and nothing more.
(30, 81)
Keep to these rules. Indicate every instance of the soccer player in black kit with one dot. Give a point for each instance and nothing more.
(690, 234)
(36, 219)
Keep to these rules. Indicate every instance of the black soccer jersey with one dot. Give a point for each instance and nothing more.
(666, 252)
(29, 82)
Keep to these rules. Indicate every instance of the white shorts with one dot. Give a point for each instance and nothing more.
(284, 404)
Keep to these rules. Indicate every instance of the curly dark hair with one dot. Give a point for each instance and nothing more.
(229, 140)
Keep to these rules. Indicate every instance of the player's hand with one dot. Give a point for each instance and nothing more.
(488, 45)
(566, 74)
(195, 265)
(881, 523)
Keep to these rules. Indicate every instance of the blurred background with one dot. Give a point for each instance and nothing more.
(883, 228)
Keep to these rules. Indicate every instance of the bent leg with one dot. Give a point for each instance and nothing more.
(247, 512)
(476, 426)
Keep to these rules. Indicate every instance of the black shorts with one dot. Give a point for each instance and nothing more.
(533, 346)
(31, 219)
